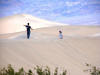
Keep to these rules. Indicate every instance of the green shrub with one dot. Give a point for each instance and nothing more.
(47, 71)
(30, 72)
(93, 70)
(56, 71)
(38, 70)
(21, 71)
(3, 71)
(10, 70)
(64, 72)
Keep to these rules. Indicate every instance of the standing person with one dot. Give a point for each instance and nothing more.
(60, 34)
(28, 30)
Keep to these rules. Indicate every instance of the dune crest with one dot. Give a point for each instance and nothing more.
(12, 24)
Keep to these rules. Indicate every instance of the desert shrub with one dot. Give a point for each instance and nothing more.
(3, 71)
(64, 72)
(10, 70)
(47, 71)
(38, 71)
(93, 70)
(56, 71)
(42, 71)
(7, 71)
(30, 72)
(20, 72)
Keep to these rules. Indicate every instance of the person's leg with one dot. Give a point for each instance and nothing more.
(28, 35)
(60, 36)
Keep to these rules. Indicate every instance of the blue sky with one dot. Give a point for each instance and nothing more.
(74, 12)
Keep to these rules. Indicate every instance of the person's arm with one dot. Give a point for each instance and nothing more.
(32, 29)
(25, 25)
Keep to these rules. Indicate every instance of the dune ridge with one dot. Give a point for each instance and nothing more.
(15, 23)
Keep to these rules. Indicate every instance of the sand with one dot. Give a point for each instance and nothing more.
(15, 23)
(81, 44)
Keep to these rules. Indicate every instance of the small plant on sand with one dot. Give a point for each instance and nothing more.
(93, 70)
(7, 71)
(47, 71)
(30, 72)
(3, 71)
(56, 71)
(64, 72)
(41, 71)
(20, 72)
(38, 70)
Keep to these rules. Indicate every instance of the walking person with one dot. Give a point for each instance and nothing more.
(60, 34)
(28, 27)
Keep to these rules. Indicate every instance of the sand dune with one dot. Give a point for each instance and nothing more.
(45, 48)
(15, 23)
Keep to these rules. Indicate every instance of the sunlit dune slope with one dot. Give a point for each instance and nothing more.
(16, 23)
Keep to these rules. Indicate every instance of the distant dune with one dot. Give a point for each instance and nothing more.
(81, 44)
(15, 23)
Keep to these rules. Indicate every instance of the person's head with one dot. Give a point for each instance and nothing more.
(27, 23)
(60, 31)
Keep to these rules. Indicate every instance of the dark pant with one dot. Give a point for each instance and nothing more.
(28, 35)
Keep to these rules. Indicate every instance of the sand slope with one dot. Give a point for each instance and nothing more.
(15, 23)
(79, 46)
